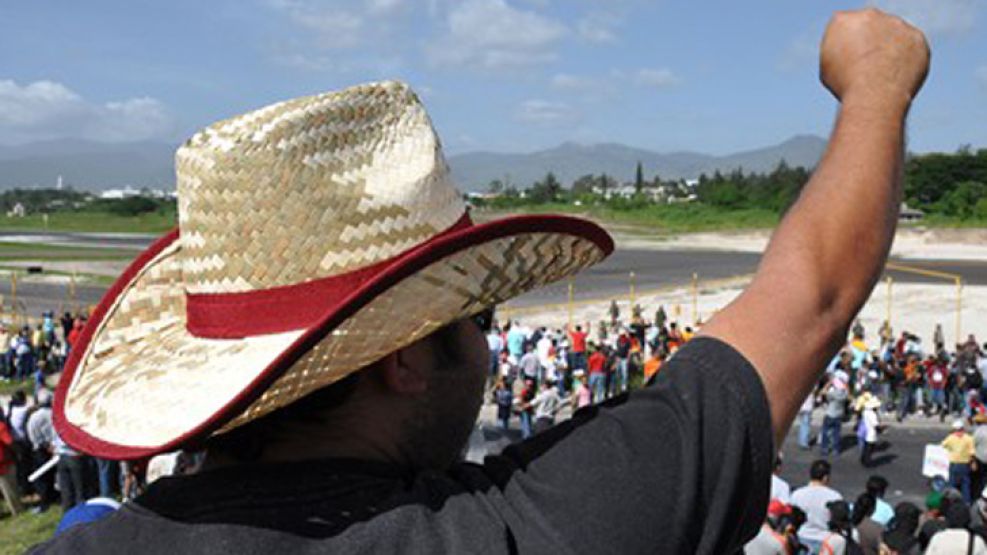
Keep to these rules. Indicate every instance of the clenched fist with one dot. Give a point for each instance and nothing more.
(872, 57)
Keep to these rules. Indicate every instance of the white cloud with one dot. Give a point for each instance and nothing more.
(492, 34)
(657, 78)
(46, 109)
(948, 17)
(333, 27)
(598, 27)
(385, 6)
(569, 82)
(544, 112)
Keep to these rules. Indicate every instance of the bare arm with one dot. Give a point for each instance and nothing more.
(795, 314)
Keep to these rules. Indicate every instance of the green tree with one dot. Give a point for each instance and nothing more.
(583, 185)
(638, 178)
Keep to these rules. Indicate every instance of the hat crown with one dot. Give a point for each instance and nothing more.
(311, 188)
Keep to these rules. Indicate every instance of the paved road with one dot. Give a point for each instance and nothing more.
(899, 460)
(653, 269)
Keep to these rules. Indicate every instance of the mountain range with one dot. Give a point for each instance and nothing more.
(97, 166)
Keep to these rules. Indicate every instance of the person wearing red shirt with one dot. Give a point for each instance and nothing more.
(597, 374)
(8, 476)
(577, 341)
(936, 375)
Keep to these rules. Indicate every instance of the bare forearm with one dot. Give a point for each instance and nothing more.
(829, 250)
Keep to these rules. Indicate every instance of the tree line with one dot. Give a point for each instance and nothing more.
(52, 200)
(947, 184)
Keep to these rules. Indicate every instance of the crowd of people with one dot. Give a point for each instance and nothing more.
(29, 442)
(534, 371)
(815, 518)
(35, 352)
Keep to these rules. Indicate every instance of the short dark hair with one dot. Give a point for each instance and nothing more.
(246, 443)
(877, 485)
(819, 469)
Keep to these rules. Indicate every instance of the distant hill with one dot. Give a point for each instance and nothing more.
(88, 164)
(98, 166)
(475, 170)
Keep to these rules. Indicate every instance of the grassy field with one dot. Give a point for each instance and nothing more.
(152, 222)
(676, 218)
(43, 251)
(8, 388)
(24, 530)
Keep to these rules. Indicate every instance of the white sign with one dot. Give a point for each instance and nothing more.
(935, 462)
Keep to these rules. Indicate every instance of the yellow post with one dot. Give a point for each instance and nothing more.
(569, 305)
(695, 298)
(959, 309)
(889, 281)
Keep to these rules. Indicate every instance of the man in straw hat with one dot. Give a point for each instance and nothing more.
(316, 324)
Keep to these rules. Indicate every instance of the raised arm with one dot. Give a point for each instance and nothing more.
(794, 315)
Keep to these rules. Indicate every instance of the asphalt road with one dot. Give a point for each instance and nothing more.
(653, 270)
(899, 460)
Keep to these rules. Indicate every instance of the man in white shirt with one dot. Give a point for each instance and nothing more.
(780, 489)
(812, 499)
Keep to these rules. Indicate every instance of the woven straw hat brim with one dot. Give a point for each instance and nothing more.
(138, 383)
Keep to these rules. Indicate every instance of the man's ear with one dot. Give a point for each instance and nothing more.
(406, 370)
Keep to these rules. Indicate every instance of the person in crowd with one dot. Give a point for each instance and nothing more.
(868, 530)
(529, 365)
(70, 474)
(389, 479)
(978, 480)
(9, 489)
(522, 404)
(515, 338)
(577, 347)
(41, 434)
(957, 538)
(581, 394)
(653, 365)
(877, 486)
(839, 540)
(937, 378)
(960, 448)
(771, 538)
(780, 489)
(598, 374)
(813, 498)
(503, 397)
(978, 514)
(870, 425)
(836, 393)
(545, 406)
(805, 422)
(495, 344)
(932, 521)
(908, 385)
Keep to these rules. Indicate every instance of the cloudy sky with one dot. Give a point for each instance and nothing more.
(504, 75)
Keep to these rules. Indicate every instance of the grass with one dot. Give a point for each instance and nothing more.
(8, 388)
(675, 218)
(24, 530)
(151, 222)
(43, 251)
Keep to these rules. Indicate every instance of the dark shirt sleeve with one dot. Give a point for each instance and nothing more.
(680, 466)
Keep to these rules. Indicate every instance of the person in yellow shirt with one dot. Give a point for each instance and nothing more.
(959, 446)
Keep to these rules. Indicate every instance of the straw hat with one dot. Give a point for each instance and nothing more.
(314, 237)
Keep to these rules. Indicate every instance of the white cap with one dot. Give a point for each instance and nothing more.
(957, 424)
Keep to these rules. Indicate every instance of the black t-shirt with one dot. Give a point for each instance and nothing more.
(680, 466)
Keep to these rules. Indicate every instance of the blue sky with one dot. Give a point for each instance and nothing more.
(503, 75)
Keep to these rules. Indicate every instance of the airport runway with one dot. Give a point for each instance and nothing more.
(653, 270)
